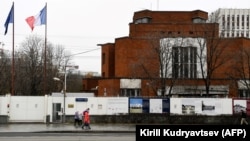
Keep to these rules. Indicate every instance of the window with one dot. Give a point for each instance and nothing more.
(145, 20)
(222, 34)
(238, 21)
(244, 93)
(198, 20)
(228, 18)
(103, 58)
(142, 20)
(223, 22)
(184, 62)
(130, 92)
(242, 34)
(223, 18)
(233, 23)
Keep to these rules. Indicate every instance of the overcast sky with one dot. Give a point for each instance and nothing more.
(79, 25)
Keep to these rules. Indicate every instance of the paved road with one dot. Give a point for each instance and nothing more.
(25, 136)
(66, 132)
(29, 127)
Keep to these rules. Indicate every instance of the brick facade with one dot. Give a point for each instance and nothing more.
(135, 56)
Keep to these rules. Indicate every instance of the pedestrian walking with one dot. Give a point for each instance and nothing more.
(243, 118)
(76, 119)
(86, 119)
(80, 119)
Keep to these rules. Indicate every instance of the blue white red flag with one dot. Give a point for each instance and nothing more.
(39, 19)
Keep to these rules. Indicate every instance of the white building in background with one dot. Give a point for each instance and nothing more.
(232, 22)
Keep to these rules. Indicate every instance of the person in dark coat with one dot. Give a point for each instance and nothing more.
(243, 118)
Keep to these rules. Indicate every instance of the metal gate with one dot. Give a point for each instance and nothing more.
(57, 112)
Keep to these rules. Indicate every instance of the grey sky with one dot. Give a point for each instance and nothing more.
(79, 25)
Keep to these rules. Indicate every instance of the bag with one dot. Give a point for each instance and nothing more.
(86, 124)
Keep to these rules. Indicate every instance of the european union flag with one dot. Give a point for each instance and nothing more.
(10, 19)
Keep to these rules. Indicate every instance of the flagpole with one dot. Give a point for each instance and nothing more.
(45, 53)
(13, 56)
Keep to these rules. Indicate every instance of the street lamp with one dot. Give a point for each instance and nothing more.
(64, 95)
(57, 79)
(64, 85)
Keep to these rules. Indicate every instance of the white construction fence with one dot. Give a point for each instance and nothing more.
(39, 108)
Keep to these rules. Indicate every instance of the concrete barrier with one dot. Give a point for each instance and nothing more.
(4, 119)
(163, 119)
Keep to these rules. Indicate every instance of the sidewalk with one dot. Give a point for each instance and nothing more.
(66, 127)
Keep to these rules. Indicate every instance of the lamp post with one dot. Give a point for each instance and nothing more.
(64, 95)
(64, 85)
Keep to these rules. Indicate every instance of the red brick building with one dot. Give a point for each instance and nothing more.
(172, 53)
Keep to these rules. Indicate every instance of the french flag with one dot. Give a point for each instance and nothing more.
(39, 19)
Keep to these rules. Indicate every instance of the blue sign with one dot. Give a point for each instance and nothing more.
(81, 99)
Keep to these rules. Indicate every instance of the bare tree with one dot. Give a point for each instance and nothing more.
(30, 69)
(240, 70)
(157, 57)
(211, 53)
(29, 73)
(30, 66)
(5, 73)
